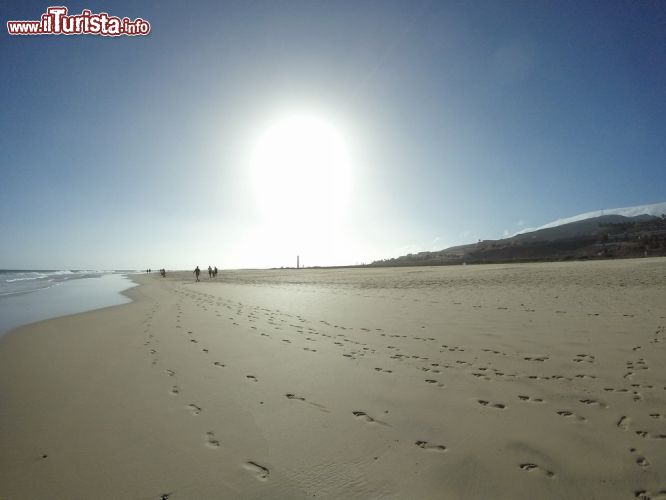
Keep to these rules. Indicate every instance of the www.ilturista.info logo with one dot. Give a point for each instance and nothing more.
(56, 21)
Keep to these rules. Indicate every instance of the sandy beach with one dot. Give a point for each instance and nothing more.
(501, 381)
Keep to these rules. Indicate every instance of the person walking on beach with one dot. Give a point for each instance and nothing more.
(215, 272)
(196, 272)
(210, 272)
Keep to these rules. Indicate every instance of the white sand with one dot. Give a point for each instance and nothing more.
(503, 381)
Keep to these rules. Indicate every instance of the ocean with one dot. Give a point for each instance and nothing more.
(27, 296)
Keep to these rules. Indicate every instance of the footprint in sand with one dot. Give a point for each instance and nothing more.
(641, 461)
(567, 413)
(367, 418)
(217, 363)
(293, 396)
(363, 415)
(252, 378)
(261, 472)
(647, 435)
(174, 390)
(650, 495)
(534, 467)
(623, 423)
(593, 402)
(483, 402)
(427, 446)
(528, 398)
(211, 440)
(583, 358)
(196, 410)
(539, 358)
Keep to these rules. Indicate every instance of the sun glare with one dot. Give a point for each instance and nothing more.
(301, 172)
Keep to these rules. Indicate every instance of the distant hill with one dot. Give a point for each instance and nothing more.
(598, 237)
(656, 209)
(582, 228)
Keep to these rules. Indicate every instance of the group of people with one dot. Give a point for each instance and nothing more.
(212, 272)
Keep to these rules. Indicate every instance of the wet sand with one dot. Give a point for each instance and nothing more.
(499, 381)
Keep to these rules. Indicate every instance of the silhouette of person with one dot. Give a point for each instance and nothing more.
(210, 272)
(215, 272)
(196, 272)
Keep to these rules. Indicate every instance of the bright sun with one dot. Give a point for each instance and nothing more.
(301, 171)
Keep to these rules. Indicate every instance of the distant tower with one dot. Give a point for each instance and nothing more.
(298, 262)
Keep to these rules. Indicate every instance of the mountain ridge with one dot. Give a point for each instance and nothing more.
(610, 235)
(656, 209)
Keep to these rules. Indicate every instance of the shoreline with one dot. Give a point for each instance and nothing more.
(73, 296)
(420, 383)
(126, 293)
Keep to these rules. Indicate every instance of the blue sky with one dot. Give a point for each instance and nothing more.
(463, 120)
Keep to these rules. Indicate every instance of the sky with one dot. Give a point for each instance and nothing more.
(455, 121)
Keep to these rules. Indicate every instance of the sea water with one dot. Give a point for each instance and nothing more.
(29, 296)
